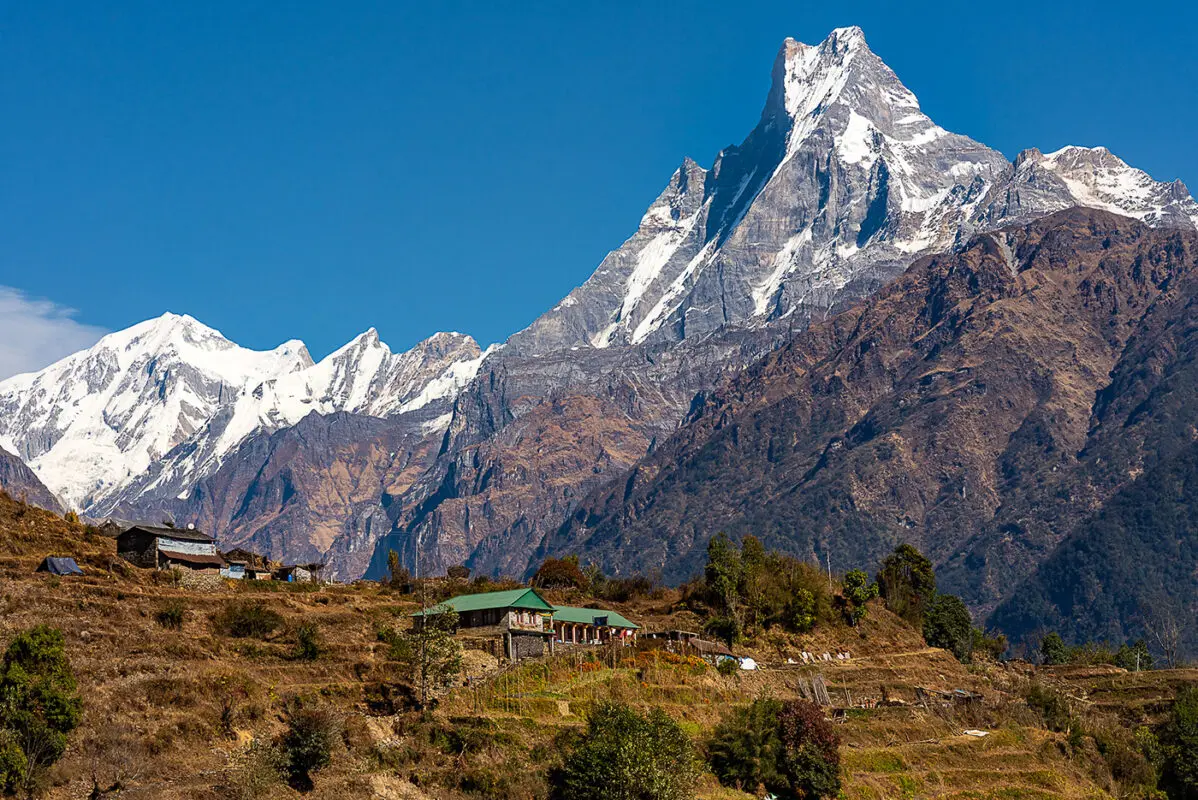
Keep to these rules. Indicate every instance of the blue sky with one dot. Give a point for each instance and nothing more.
(308, 170)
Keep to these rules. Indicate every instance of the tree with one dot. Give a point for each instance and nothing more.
(560, 573)
(801, 611)
(397, 576)
(308, 741)
(1053, 650)
(1135, 657)
(857, 591)
(723, 572)
(947, 624)
(745, 750)
(1179, 741)
(992, 644)
(1165, 627)
(39, 706)
(429, 651)
(907, 583)
(810, 751)
(755, 579)
(626, 756)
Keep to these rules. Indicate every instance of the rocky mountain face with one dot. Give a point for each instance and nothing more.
(986, 406)
(843, 183)
(450, 455)
(19, 482)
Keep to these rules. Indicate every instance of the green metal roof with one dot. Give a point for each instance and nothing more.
(513, 598)
(586, 616)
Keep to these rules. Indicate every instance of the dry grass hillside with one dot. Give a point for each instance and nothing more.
(173, 713)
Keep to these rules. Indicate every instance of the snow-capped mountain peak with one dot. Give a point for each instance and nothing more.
(842, 184)
(1098, 178)
(101, 416)
(172, 389)
(808, 78)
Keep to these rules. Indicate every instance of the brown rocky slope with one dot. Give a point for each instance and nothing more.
(952, 411)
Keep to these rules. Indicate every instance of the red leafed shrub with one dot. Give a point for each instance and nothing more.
(560, 573)
(810, 756)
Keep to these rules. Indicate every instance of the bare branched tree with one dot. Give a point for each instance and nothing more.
(116, 759)
(1165, 629)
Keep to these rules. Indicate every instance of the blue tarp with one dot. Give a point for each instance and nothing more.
(60, 566)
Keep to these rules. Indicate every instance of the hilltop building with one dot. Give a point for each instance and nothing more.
(511, 624)
(591, 626)
(519, 623)
(165, 548)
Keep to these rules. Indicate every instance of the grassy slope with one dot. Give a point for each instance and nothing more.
(154, 698)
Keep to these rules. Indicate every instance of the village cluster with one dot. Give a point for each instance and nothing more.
(511, 625)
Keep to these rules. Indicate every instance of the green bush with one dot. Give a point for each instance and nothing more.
(1125, 755)
(947, 624)
(1053, 650)
(39, 706)
(801, 611)
(992, 644)
(172, 615)
(1052, 707)
(1135, 657)
(724, 628)
(13, 764)
(307, 744)
(308, 645)
(727, 667)
(856, 592)
(626, 756)
(788, 750)
(1179, 742)
(245, 619)
(747, 589)
(745, 750)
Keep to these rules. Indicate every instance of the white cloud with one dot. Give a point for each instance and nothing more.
(36, 333)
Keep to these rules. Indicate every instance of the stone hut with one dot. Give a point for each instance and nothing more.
(156, 547)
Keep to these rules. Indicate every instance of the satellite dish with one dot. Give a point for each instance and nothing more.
(191, 526)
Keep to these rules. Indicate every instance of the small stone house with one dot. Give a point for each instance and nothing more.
(299, 573)
(513, 624)
(247, 565)
(156, 547)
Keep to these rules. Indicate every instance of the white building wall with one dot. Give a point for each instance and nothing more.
(189, 547)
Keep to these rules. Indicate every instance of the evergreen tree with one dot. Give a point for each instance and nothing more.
(626, 756)
(745, 750)
(39, 706)
(907, 583)
(1053, 650)
(1179, 740)
(947, 624)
